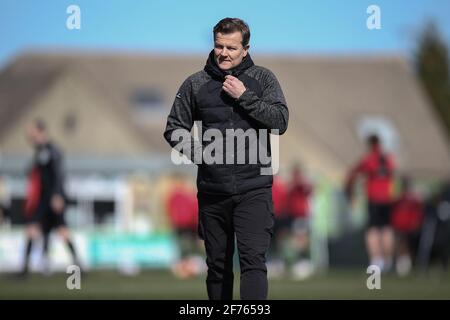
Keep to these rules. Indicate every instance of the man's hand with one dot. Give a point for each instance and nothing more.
(233, 86)
(57, 203)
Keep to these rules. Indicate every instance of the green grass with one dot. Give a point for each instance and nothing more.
(162, 285)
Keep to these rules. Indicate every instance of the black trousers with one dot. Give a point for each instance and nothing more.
(249, 217)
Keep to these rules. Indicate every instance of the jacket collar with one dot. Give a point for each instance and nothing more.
(214, 71)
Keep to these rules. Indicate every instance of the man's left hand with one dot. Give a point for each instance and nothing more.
(233, 86)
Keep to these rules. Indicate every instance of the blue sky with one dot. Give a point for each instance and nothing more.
(292, 27)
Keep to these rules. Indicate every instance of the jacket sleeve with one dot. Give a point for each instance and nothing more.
(180, 122)
(270, 110)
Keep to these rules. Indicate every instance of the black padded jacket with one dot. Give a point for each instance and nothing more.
(261, 108)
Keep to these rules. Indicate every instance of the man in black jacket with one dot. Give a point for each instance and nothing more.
(46, 199)
(231, 97)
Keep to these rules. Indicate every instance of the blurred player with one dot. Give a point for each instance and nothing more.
(46, 201)
(298, 209)
(182, 210)
(406, 219)
(276, 265)
(434, 243)
(378, 169)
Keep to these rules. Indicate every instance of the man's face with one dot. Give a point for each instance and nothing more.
(33, 134)
(228, 50)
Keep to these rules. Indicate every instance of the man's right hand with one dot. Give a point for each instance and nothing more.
(233, 86)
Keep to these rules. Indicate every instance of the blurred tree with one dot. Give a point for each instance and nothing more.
(432, 67)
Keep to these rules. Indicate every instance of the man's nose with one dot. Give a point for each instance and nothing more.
(224, 52)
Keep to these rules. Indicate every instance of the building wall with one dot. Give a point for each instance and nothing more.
(97, 129)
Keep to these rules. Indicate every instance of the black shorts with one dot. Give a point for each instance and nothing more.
(187, 241)
(46, 217)
(379, 215)
(53, 220)
(283, 223)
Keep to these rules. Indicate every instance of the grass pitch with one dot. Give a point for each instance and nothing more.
(162, 285)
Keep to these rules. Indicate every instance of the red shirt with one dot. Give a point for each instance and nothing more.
(183, 209)
(278, 196)
(298, 199)
(407, 213)
(378, 169)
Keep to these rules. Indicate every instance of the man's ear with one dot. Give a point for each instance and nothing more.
(246, 50)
